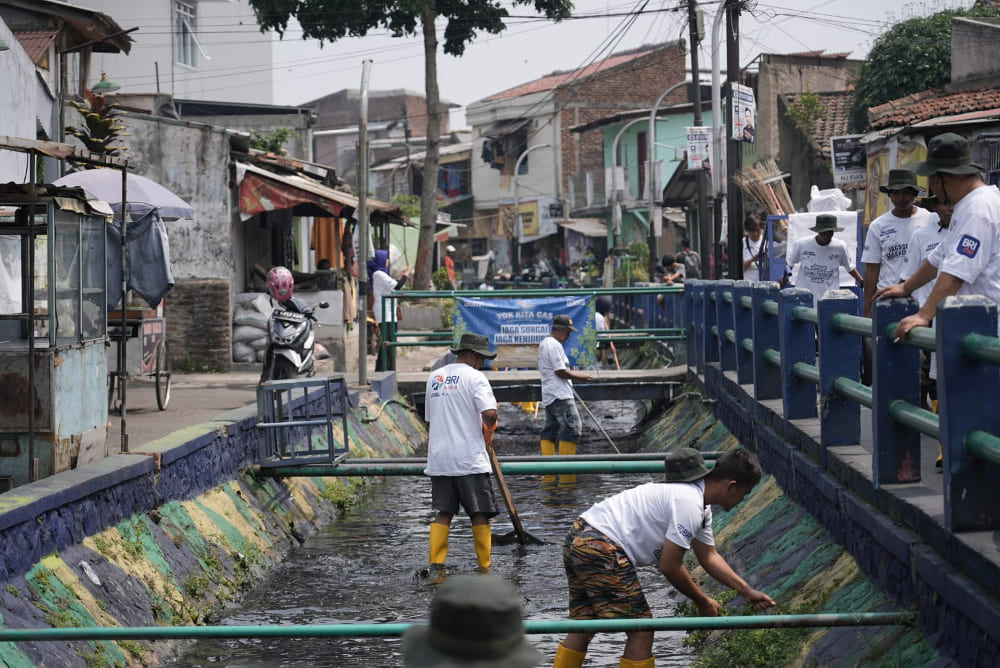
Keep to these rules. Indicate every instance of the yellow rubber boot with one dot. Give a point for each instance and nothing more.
(548, 447)
(439, 543)
(567, 448)
(482, 534)
(568, 658)
(645, 663)
(939, 462)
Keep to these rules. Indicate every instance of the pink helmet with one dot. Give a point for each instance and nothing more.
(280, 283)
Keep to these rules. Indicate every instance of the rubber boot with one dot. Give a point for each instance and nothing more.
(568, 658)
(439, 543)
(567, 448)
(645, 663)
(548, 447)
(939, 462)
(482, 534)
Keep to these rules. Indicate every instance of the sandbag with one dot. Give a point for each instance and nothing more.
(258, 343)
(243, 353)
(831, 199)
(250, 317)
(247, 333)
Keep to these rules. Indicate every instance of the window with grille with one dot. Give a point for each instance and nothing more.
(185, 41)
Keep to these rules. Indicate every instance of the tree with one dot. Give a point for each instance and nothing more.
(330, 20)
(912, 56)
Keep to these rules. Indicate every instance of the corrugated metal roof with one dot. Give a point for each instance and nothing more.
(36, 43)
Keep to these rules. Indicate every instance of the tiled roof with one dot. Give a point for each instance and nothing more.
(931, 104)
(838, 110)
(36, 43)
(556, 79)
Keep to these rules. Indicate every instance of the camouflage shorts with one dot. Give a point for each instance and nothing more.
(603, 582)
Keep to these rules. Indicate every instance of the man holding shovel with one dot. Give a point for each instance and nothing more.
(461, 410)
(562, 420)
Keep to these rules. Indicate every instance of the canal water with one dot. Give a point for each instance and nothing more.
(370, 566)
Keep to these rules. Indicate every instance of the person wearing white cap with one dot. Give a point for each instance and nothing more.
(449, 265)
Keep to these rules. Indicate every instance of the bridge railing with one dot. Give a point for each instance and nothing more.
(770, 338)
(641, 313)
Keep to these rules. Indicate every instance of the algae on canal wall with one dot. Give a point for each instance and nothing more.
(183, 561)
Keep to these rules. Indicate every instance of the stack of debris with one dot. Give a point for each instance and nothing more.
(764, 183)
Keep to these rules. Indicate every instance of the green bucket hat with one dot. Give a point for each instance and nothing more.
(475, 621)
(826, 222)
(477, 343)
(685, 465)
(948, 153)
(900, 179)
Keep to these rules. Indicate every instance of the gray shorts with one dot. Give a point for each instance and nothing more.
(474, 492)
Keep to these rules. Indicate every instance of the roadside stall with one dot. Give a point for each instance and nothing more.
(53, 325)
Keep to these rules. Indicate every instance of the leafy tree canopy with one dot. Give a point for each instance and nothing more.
(330, 20)
(912, 56)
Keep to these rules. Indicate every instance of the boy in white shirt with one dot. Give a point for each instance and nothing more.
(820, 258)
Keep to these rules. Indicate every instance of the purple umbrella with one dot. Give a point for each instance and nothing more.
(106, 184)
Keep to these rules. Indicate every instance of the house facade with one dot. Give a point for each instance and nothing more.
(526, 156)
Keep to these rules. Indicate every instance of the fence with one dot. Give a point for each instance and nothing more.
(770, 338)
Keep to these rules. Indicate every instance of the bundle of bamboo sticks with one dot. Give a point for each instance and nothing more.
(762, 182)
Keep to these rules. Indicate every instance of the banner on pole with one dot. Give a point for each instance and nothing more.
(850, 159)
(744, 114)
(699, 140)
(515, 327)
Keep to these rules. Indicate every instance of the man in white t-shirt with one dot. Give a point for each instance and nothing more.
(562, 420)
(820, 258)
(888, 235)
(655, 523)
(460, 407)
(967, 262)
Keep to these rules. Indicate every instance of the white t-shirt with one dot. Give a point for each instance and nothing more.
(457, 395)
(383, 284)
(819, 266)
(551, 358)
(641, 518)
(886, 242)
(922, 242)
(751, 248)
(600, 323)
(971, 251)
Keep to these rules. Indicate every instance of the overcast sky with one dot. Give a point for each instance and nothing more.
(531, 47)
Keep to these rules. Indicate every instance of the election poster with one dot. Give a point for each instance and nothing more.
(699, 143)
(849, 160)
(515, 327)
(744, 114)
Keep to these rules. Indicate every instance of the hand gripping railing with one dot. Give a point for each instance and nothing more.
(770, 338)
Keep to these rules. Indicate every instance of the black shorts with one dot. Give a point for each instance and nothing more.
(474, 492)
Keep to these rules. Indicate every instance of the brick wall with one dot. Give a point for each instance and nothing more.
(198, 325)
(633, 85)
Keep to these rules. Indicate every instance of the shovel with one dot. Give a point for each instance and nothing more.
(518, 534)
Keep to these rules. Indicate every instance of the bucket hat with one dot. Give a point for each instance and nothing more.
(826, 222)
(564, 321)
(475, 621)
(949, 153)
(450, 248)
(477, 343)
(928, 202)
(685, 465)
(900, 179)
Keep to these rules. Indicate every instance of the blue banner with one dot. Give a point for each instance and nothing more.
(516, 326)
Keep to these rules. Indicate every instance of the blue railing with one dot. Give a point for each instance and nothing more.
(770, 338)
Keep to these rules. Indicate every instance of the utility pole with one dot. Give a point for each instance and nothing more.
(703, 231)
(734, 202)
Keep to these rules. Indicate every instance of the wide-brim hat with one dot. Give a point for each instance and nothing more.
(685, 465)
(948, 153)
(826, 222)
(564, 321)
(929, 202)
(900, 179)
(477, 343)
(475, 622)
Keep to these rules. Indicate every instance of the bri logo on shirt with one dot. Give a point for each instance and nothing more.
(968, 246)
(683, 530)
(440, 381)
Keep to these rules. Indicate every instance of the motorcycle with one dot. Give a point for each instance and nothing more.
(290, 341)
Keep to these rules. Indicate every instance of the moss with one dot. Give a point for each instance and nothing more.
(12, 590)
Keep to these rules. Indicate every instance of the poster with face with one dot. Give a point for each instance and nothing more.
(744, 114)
(699, 147)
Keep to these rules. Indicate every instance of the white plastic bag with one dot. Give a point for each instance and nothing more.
(827, 200)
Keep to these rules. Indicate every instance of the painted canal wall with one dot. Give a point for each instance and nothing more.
(167, 537)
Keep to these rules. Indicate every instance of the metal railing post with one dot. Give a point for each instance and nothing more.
(895, 375)
(694, 291)
(743, 326)
(766, 377)
(724, 316)
(839, 356)
(710, 346)
(967, 391)
(798, 344)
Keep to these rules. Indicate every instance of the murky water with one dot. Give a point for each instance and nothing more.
(367, 567)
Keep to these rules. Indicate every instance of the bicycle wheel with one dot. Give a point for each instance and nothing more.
(162, 375)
